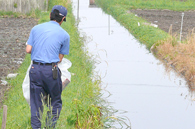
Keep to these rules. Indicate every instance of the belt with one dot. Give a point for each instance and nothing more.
(41, 63)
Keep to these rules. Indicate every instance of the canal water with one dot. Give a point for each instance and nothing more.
(139, 84)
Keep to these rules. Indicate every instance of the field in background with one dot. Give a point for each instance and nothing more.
(177, 5)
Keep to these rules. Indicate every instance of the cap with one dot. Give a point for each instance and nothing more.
(62, 10)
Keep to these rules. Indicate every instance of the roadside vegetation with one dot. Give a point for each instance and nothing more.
(167, 47)
(8, 14)
(83, 107)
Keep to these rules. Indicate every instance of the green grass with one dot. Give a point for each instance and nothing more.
(80, 99)
(34, 13)
(176, 5)
(9, 13)
(147, 35)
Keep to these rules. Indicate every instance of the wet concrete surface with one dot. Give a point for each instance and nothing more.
(137, 81)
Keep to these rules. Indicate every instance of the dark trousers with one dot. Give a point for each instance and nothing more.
(42, 83)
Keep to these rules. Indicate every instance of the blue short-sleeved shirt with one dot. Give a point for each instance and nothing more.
(48, 40)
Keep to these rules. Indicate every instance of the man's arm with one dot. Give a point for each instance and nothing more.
(61, 57)
(28, 49)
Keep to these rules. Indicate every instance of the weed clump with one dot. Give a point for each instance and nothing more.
(181, 56)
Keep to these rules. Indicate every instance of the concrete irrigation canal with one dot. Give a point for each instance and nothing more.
(137, 81)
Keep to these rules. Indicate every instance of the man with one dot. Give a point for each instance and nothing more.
(47, 44)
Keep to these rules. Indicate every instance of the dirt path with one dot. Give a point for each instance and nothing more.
(165, 18)
(14, 33)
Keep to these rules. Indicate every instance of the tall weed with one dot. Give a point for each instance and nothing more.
(181, 56)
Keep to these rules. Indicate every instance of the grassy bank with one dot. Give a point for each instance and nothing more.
(166, 47)
(81, 97)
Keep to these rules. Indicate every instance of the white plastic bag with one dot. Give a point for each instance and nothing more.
(65, 74)
(26, 85)
(65, 77)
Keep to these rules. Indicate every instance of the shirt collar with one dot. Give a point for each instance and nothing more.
(54, 22)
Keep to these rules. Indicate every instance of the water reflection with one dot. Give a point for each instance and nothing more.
(189, 84)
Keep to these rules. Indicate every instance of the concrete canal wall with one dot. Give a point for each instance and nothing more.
(23, 6)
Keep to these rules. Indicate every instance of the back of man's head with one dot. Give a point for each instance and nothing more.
(58, 12)
(55, 16)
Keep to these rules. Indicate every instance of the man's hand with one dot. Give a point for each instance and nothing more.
(61, 56)
(28, 49)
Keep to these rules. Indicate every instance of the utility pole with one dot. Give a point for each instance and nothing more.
(181, 25)
(78, 13)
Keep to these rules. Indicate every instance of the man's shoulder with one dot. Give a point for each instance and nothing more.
(64, 32)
